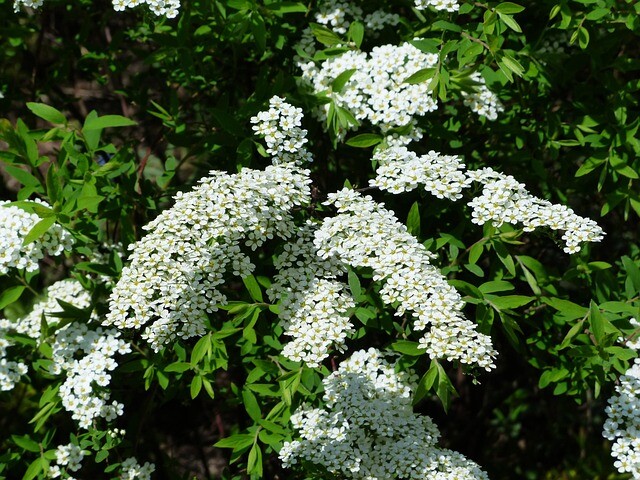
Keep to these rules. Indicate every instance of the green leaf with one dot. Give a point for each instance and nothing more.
(237, 442)
(512, 64)
(10, 295)
(496, 286)
(569, 310)
(341, 80)
(596, 322)
(408, 348)
(413, 220)
(251, 405)
(356, 33)
(196, 386)
(509, 8)
(426, 382)
(280, 8)
(253, 288)
(178, 367)
(510, 301)
(597, 14)
(354, 284)
(47, 113)
(254, 462)
(35, 468)
(324, 35)
(510, 22)
(421, 75)
(26, 443)
(107, 121)
(38, 230)
(364, 140)
(573, 331)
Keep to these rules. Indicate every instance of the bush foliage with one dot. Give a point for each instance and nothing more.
(264, 239)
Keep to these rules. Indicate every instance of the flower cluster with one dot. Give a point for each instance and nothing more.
(338, 15)
(174, 275)
(10, 371)
(15, 224)
(376, 91)
(313, 305)
(131, 469)
(401, 170)
(369, 431)
(364, 234)
(447, 5)
(280, 127)
(68, 291)
(623, 422)
(482, 100)
(86, 356)
(167, 8)
(503, 199)
(68, 456)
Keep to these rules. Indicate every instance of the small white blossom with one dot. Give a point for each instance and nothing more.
(368, 430)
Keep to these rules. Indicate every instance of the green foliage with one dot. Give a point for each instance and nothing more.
(109, 115)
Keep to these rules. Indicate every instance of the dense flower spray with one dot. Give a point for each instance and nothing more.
(622, 425)
(368, 430)
(15, 224)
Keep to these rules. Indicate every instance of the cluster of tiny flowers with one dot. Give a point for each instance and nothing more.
(68, 291)
(401, 170)
(338, 15)
(448, 5)
(504, 200)
(67, 456)
(369, 431)
(167, 8)
(131, 469)
(634, 341)
(86, 357)
(623, 422)
(482, 101)
(376, 91)
(26, 3)
(15, 224)
(313, 305)
(172, 281)
(10, 371)
(280, 127)
(364, 234)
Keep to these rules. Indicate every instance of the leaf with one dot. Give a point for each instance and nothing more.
(38, 230)
(280, 8)
(510, 22)
(408, 348)
(495, 286)
(254, 289)
(37, 466)
(237, 442)
(510, 301)
(509, 8)
(596, 321)
(251, 405)
(26, 443)
(324, 35)
(196, 386)
(512, 64)
(354, 284)
(364, 140)
(107, 121)
(254, 462)
(568, 309)
(356, 33)
(575, 330)
(413, 220)
(426, 382)
(421, 75)
(178, 367)
(341, 80)
(47, 113)
(10, 295)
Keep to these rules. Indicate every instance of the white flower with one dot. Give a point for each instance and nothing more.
(368, 430)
